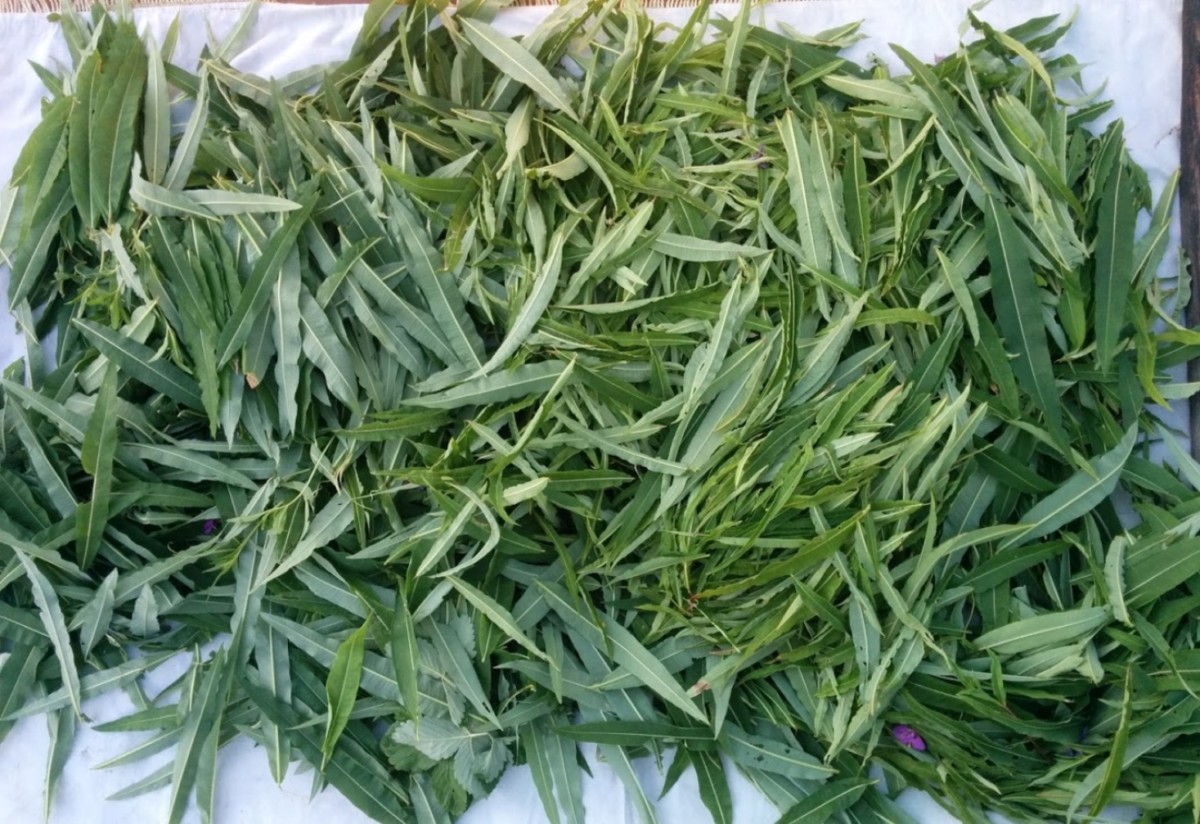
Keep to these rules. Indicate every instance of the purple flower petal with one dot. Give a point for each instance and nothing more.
(210, 526)
(909, 737)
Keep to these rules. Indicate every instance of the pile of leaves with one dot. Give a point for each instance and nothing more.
(622, 385)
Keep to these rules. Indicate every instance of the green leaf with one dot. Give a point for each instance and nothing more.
(701, 250)
(1155, 567)
(324, 347)
(457, 663)
(99, 449)
(556, 773)
(100, 133)
(513, 59)
(1044, 631)
(714, 786)
(141, 363)
(189, 143)
(405, 656)
(523, 322)
(1018, 302)
(17, 501)
(1116, 757)
(93, 684)
(156, 139)
(96, 616)
(163, 202)
(527, 379)
(341, 688)
(257, 289)
(630, 654)
(194, 465)
(440, 290)
(825, 803)
(47, 602)
(207, 708)
(1114, 262)
(497, 614)
(433, 189)
(1081, 493)
(18, 674)
(357, 782)
(328, 525)
(225, 202)
(756, 752)
(285, 328)
(815, 243)
(62, 726)
(637, 733)
(271, 656)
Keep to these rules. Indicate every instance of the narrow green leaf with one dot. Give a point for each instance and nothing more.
(99, 449)
(47, 602)
(1082, 493)
(257, 290)
(1044, 631)
(628, 652)
(207, 708)
(142, 363)
(516, 62)
(440, 290)
(1018, 302)
(224, 202)
(527, 379)
(191, 463)
(285, 327)
(405, 656)
(189, 143)
(495, 613)
(96, 616)
(341, 688)
(701, 250)
(1114, 262)
(523, 322)
(638, 733)
(324, 347)
(156, 139)
(826, 802)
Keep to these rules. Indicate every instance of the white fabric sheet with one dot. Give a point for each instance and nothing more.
(1134, 45)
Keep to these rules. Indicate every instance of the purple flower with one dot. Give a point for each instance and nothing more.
(908, 737)
(1071, 752)
(210, 526)
(759, 155)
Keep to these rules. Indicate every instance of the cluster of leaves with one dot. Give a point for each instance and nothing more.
(619, 385)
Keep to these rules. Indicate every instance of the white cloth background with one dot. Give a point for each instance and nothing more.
(1134, 45)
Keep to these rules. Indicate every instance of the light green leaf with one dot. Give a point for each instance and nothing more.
(527, 379)
(47, 602)
(1114, 262)
(1018, 301)
(341, 688)
(143, 364)
(628, 652)
(99, 448)
(1082, 493)
(1044, 631)
(512, 59)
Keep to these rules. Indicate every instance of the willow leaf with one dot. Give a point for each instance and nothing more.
(1082, 492)
(99, 449)
(516, 62)
(341, 687)
(1018, 303)
(1114, 262)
